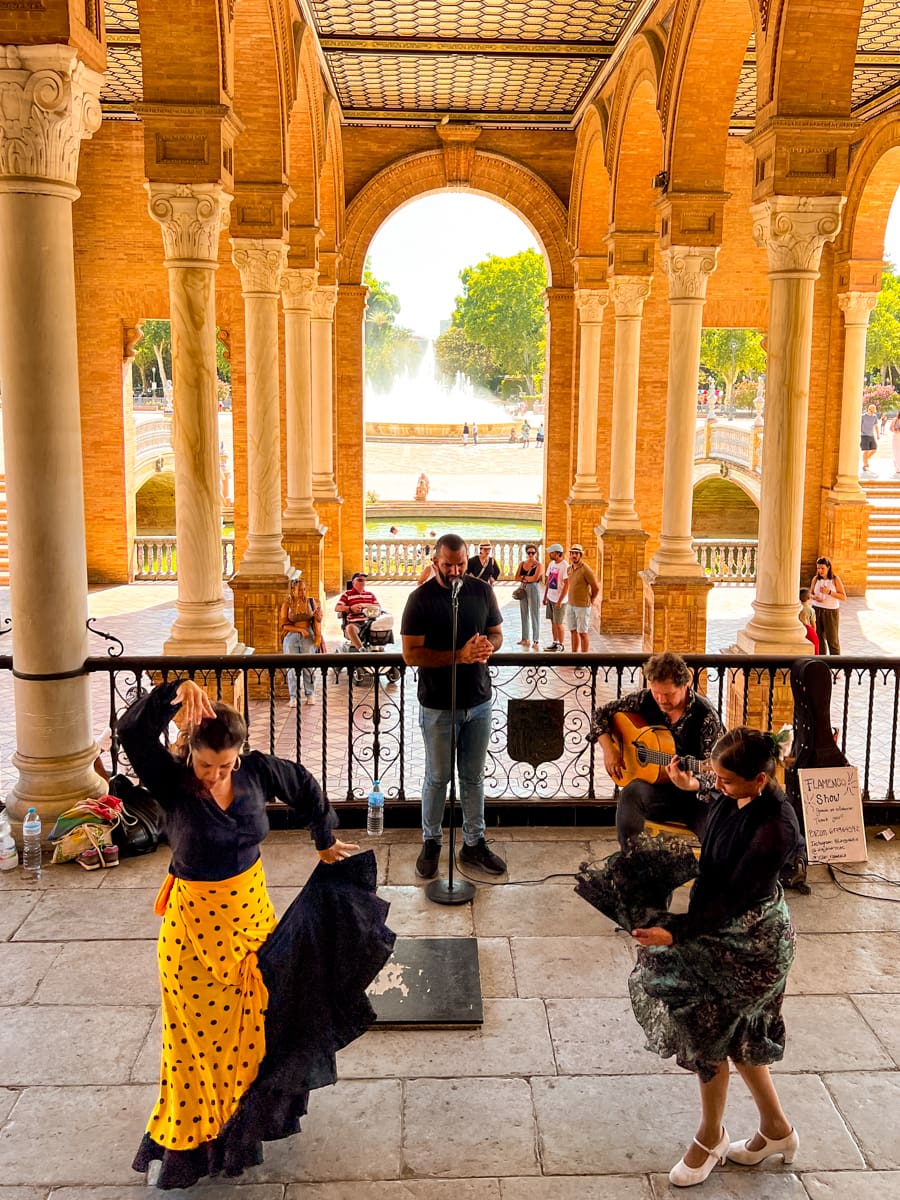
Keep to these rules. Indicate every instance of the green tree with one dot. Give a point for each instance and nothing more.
(455, 355)
(883, 338)
(154, 350)
(501, 311)
(390, 349)
(730, 353)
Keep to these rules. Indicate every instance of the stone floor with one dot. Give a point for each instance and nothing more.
(553, 1099)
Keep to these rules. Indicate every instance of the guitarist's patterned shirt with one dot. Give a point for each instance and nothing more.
(694, 733)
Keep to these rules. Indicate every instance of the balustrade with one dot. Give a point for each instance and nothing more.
(155, 558)
(732, 561)
(402, 559)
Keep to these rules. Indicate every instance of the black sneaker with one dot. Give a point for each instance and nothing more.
(479, 856)
(429, 856)
(553, 646)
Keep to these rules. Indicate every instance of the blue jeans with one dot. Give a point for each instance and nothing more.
(295, 643)
(473, 731)
(529, 609)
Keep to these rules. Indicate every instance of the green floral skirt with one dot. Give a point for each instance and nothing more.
(718, 996)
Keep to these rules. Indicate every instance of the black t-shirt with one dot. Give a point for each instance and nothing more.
(428, 614)
(488, 571)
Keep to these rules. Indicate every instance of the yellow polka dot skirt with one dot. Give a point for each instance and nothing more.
(213, 1003)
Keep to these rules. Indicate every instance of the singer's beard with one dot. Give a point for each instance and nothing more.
(445, 578)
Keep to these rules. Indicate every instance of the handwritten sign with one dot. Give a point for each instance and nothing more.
(832, 815)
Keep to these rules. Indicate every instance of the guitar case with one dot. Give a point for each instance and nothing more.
(814, 744)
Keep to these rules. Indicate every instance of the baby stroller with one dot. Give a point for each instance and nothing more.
(375, 633)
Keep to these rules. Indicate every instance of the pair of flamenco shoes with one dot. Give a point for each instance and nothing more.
(682, 1175)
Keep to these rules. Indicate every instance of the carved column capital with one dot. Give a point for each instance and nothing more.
(323, 302)
(794, 229)
(191, 216)
(688, 269)
(260, 263)
(297, 287)
(628, 293)
(590, 304)
(857, 306)
(50, 102)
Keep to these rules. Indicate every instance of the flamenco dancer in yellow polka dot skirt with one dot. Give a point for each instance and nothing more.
(252, 1012)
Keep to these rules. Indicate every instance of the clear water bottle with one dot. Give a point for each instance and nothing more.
(375, 815)
(31, 844)
(9, 855)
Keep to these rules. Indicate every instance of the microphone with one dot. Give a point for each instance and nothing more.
(455, 585)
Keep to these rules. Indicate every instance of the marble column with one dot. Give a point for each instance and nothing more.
(844, 534)
(191, 217)
(325, 493)
(585, 502)
(793, 229)
(675, 587)
(303, 535)
(261, 582)
(48, 105)
(623, 542)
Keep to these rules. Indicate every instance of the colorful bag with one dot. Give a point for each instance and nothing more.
(85, 826)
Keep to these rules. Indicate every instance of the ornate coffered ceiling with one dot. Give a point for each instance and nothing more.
(510, 63)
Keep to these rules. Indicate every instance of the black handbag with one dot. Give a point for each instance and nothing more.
(140, 828)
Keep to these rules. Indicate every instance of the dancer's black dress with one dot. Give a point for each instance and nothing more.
(253, 1012)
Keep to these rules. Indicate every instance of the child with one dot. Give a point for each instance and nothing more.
(808, 619)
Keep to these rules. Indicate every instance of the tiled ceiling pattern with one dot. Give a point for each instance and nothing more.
(505, 62)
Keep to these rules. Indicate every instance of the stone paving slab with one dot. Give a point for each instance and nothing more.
(210, 1189)
(600, 1037)
(98, 916)
(852, 1185)
(74, 1135)
(15, 908)
(8, 1098)
(514, 1040)
(827, 1033)
(414, 915)
(146, 1065)
(352, 1131)
(596, 1125)
(469, 1127)
(42, 1045)
(68, 876)
(831, 964)
(535, 860)
(551, 910)
(833, 911)
(880, 1013)
(407, 1189)
(585, 1187)
(141, 871)
(21, 970)
(572, 966)
(128, 970)
(726, 1184)
(495, 966)
(870, 1102)
(23, 1193)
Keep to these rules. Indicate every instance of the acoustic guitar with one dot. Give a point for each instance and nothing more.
(647, 749)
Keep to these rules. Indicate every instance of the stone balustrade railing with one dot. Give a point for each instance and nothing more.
(152, 437)
(732, 561)
(400, 559)
(155, 558)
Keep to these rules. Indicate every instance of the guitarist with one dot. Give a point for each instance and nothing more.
(667, 700)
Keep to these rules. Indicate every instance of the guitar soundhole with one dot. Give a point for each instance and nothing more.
(642, 755)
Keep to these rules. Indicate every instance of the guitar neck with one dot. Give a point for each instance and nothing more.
(692, 765)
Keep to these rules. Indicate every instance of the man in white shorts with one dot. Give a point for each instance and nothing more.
(555, 591)
(583, 590)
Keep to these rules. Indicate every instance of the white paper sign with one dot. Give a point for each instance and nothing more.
(832, 815)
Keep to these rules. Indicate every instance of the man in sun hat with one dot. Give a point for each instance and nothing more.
(583, 590)
(555, 591)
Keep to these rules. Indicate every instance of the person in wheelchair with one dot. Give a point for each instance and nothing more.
(351, 607)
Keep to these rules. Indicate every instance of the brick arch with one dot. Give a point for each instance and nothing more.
(491, 175)
(264, 88)
(696, 102)
(634, 144)
(331, 184)
(306, 134)
(196, 68)
(871, 188)
(806, 56)
(589, 203)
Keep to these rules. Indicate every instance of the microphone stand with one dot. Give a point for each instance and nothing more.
(450, 890)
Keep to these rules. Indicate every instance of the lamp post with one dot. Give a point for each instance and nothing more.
(730, 405)
(153, 386)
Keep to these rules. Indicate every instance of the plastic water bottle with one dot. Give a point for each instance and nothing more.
(31, 844)
(375, 815)
(9, 855)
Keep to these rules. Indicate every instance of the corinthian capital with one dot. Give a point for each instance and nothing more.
(629, 293)
(793, 229)
(591, 303)
(323, 301)
(857, 306)
(688, 269)
(297, 287)
(50, 102)
(260, 262)
(191, 216)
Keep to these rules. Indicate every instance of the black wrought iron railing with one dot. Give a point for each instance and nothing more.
(363, 724)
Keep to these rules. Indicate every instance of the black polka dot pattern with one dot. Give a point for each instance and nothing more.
(212, 992)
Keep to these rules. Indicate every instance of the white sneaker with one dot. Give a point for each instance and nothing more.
(292, 703)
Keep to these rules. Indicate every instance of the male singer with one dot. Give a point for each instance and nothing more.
(427, 644)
